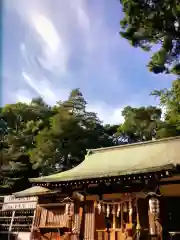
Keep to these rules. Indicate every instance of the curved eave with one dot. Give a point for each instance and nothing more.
(167, 168)
(132, 159)
(33, 191)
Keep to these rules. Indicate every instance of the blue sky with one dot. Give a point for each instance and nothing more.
(53, 46)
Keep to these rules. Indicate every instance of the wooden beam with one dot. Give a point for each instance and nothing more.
(52, 204)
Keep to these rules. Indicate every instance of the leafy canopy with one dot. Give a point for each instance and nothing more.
(170, 101)
(37, 139)
(154, 23)
(140, 123)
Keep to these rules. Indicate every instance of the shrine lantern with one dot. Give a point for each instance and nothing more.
(154, 206)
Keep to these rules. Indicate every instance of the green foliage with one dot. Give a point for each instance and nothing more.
(140, 123)
(152, 24)
(38, 139)
(170, 101)
(23, 122)
(148, 23)
(73, 130)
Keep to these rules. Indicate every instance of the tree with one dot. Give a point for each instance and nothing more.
(170, 101)
(154, 22)
(40, 139)
(140, 124)
(73, 130)
(24, 121)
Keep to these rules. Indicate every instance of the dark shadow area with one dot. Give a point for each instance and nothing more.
(5, 236)
(170, 212)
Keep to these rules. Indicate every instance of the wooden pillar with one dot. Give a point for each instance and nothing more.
(82, 226)
(89, 220)
(77, 221)
(113, 233)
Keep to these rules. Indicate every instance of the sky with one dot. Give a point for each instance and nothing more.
(53, 46)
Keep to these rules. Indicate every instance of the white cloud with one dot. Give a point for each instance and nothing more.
(80, 10)
(55, 29)
(23, 95)
(47, 31)
(54, 50)
(44, 89)
(106, 113)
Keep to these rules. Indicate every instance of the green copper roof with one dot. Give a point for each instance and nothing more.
(136, 158)
(33, 191)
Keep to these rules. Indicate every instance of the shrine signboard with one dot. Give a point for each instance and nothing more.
(13, 203)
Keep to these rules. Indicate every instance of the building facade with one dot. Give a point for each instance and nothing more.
(116, 193)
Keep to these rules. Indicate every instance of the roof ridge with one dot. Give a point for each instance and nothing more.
(91, 151)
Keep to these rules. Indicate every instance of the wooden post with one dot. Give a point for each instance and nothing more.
(89, 221)
(82, 227)
(33, 223)
(12, 220)
(122, 219)
(113, 232)
(10, 227)
(114, 216)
